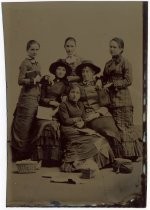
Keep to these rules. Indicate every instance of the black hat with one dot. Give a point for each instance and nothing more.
(60, 62)
(88, 63)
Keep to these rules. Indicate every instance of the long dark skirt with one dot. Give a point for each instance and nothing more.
(132, 144)
(46, 142)
(80, 147)
(105, 125)
(22, 127)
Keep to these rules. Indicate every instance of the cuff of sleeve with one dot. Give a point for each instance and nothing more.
(116, 85)
(32, 81)
(97, 77)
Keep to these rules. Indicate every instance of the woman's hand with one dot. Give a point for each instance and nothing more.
(92, 117)
(73, 78)
(98, 75)
(102, 111)
(98, 84)
(54, 103)
(79, 124)
(37, 79)
(64, 98)
(76, 119)
(95, 115)
(51, 78)
(107, 86)
(48, 79)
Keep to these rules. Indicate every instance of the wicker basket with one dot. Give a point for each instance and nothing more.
(26, 166)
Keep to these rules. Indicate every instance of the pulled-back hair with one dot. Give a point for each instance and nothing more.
(31, 42)
(73, 86)
(70, 38)
(119, 41)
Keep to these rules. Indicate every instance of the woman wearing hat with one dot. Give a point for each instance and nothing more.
(46, 141)
(97, 115)
(73, 60)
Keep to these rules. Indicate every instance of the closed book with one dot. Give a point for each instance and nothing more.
(88, 131)
(31, 74)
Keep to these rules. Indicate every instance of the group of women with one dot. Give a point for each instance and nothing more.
(94, 112)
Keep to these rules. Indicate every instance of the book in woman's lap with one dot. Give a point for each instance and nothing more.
(46, 113)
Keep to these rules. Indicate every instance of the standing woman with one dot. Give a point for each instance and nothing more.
(72, 59)
(29, 78)
(117, 76)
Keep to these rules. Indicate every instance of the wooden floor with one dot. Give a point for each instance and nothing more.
(107, 188)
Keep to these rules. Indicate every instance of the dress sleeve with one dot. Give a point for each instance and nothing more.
(127, 77)
(81, 106)
(65, 90)
(64, 115)
(22, 80)
(44, 101)
(104, 78)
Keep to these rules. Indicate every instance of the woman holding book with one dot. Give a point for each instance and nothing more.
(29, 78)
(117, 77)
(95, 103)
(46, 142)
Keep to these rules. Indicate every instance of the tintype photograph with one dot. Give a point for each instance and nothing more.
(76, 103)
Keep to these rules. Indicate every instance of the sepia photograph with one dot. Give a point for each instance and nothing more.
(76, 90)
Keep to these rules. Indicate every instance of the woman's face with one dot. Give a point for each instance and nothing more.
(87, 74)
(115, 48)
(74, 94)
(60, 72)
(70, 47)
(33, 50)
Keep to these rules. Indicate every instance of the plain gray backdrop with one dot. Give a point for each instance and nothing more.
(93, 24)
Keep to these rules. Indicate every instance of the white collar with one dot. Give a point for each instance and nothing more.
(32, 60)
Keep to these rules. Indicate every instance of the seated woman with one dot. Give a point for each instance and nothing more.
(46, 142)
(98, 116)
(80, 144)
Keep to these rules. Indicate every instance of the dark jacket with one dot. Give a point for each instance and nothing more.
(119, 72)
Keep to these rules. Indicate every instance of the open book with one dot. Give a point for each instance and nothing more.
(88, 131)
(46, 113)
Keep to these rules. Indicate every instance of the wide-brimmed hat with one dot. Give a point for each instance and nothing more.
(58, 63)
(88, 63)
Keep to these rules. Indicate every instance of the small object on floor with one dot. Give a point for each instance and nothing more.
(70, 179)
(121, 165)
(39, 163)
(26, 166)
(88, 173)
(89, 169)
